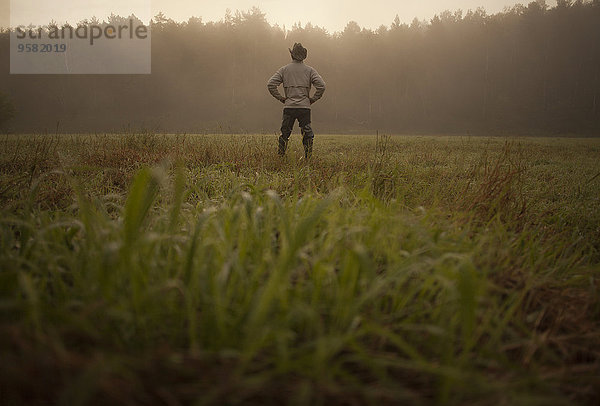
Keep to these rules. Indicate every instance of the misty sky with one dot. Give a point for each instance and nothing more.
(331, 14)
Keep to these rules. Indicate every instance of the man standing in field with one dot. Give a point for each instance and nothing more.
(297, 79)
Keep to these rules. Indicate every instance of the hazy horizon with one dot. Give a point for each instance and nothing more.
(331, 15)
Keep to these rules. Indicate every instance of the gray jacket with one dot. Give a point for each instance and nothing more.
(297, 79)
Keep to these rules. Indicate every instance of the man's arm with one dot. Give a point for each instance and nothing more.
(319, 84)
(273, 83)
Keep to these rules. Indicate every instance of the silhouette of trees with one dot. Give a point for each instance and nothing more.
(6, 110)
(530, 68)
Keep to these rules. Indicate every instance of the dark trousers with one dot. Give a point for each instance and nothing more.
(289, 118)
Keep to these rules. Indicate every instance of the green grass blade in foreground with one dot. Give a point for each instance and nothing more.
(142, 194)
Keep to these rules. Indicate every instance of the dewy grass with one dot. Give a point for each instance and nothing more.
(364, 276)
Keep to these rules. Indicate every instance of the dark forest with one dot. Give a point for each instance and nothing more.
(529, 69)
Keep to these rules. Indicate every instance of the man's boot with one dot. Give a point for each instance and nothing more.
(282, 146)
(307, 140)
(308, 147)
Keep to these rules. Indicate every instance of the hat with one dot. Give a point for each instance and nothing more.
(298, 53)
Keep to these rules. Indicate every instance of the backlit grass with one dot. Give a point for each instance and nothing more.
(145, 268)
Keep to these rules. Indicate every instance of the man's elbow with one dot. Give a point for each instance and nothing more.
(272, 82)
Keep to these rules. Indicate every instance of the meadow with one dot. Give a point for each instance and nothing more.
(144, 268)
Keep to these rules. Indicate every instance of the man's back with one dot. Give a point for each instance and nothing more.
(297, 79)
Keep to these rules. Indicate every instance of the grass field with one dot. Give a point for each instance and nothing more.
(172, 269)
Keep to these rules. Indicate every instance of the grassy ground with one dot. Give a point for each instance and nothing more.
(163, 269)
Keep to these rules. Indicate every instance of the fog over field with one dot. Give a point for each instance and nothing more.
(527, 69)
(331, 15)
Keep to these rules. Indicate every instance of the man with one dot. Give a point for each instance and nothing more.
(297, 79)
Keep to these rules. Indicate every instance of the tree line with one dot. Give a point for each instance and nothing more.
(528, 69)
